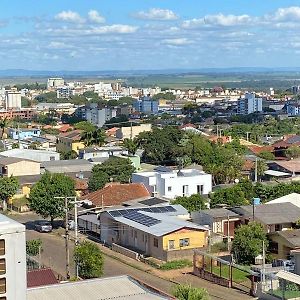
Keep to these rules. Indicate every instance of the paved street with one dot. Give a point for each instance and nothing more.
(54, 256)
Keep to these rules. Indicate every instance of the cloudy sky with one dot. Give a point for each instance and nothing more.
(148, 34)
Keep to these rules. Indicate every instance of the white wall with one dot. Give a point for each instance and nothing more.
(164, 180)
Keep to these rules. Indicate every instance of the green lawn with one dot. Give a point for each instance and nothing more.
(287, 294)
(237, 276)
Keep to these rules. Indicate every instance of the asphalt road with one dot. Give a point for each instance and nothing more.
(54, 256)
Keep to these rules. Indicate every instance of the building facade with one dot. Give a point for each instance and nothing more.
(13, 99)
(23, 133)
(249, 104)
(146, 105)
(171, 184)
(12, 260)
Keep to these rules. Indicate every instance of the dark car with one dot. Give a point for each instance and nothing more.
(43, 226)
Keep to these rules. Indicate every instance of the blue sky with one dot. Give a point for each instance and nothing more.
(148, 34)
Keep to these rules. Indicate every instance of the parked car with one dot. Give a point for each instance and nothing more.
(287, 264)
(43, 226)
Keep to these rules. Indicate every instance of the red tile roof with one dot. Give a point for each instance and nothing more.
(258, 149)
(117, 193)
(248, 165)
(222, 139)
(81, 184)
(40, 277)
(65, 128)
(187, 125)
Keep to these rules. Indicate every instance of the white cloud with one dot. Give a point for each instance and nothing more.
(116, 28)
(289, 14)
(177, 42)
(95, 17)
(157, 14)
(217, 20)
(69, 16)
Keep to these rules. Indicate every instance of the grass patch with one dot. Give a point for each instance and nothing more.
(176, 264)
(237, 275)
(287, 294)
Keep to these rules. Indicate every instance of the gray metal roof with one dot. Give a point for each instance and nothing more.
(219, 212)
(275, 213)
(165, 225)
(67, 166)
(291, 236)
(120, 287)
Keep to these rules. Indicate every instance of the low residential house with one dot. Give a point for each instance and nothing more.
(274, 217)
(72, 166)
(95, 152)
(221, 221)
(293, 198)
(290, 167)
(288, 141)
(119, 287)
(116, 194)
(281, 243)
(153, 231)
(30, 154)
(23, 133)
(133, 131)
(12, 166)
(70, 141)
(168, 183)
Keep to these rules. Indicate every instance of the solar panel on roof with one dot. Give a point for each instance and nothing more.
(115, 213)
(155, 210)
(141, 219)
(170, 208)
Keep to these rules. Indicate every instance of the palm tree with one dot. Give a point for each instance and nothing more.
(87, 138)
(3, 125)
(98, 137)
(131, 146)
(95, 137)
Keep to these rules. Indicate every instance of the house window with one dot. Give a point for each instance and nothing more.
(2, 247)
(200, 189)
(278, 227)
(2, 266)
(155, 242)
(185, 190)
(154, 188)
(171, 244)
(2, 285)
(184, 242)
(169, 189)
(273, 247)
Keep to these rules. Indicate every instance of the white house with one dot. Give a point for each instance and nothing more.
(12, 259)
(170, 184)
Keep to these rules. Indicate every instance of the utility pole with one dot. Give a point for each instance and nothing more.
(228, 234)
(217, 130)
(67, 239)
(255, 174)
(131, 130)
(263, 266)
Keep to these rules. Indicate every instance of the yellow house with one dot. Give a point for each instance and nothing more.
(281, 243)
(153, 231)
(12, 166)
(70, 141)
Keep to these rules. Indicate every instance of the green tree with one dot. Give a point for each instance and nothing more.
(68, 155)
(187, 292)
(131, 146)
(42, 196)
(98, 180)
(248, 242)
(89, 259)
(267, 155)
(8, 188)
(293, 152)
(85, 126)
(192, 203)
(115, 168)
(33, 247)
(95, 137)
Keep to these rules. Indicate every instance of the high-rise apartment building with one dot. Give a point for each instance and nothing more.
(249, 104)
(12, 260)
(13, 99)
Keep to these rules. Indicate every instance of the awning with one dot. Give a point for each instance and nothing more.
(276, 173)
(288, 276)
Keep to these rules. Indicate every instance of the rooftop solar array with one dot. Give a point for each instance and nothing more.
(124, 212)
(142, 219)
